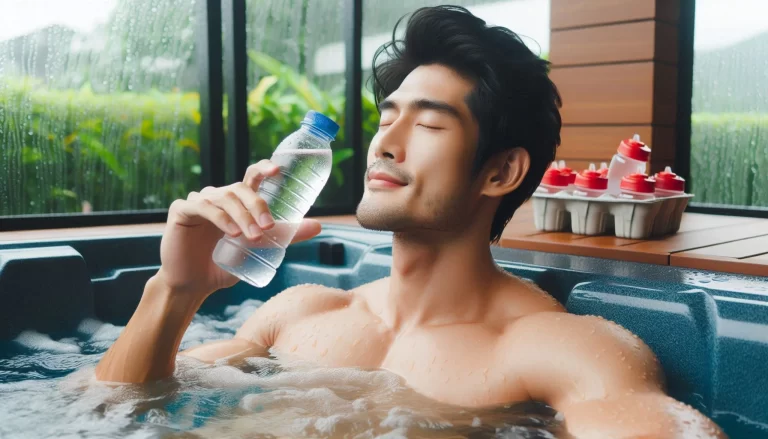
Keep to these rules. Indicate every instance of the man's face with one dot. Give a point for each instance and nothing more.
(419, 162)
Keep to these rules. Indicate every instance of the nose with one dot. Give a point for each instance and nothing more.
(390, 143)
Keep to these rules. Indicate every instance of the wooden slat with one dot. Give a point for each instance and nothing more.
(597, 247)
(81, 232)
(703, 238)
(741, 249)
(607, 94)
(577, 13)
(599, 143)
(758, 259)
(701, 221)
(753, 267)
(604, 44)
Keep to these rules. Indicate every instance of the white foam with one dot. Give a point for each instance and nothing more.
(43, 342)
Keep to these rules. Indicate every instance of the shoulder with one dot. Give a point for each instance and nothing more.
(585, 357)
(291, 305)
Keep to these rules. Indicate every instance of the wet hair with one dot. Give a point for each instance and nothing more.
(513, 101)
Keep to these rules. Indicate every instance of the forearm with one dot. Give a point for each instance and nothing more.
(146, 349)
(641, 415)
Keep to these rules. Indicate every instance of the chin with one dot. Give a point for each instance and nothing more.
(386, 217)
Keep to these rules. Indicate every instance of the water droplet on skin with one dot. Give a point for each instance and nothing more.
(413, 363)
(323, 352)
(592, 331)
(314, 343)
(294, 347)
(354, 343)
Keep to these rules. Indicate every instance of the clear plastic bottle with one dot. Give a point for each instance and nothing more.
(631, 154)
(305, 160)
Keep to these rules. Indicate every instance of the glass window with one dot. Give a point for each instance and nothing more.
(98, 105)
(287, 41)
(729, 124)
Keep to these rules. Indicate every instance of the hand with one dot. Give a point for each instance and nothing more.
(196, 224)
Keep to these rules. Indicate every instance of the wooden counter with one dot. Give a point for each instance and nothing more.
(706, 242)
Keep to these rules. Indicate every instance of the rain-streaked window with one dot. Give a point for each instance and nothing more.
(729, 123)
(98, 105)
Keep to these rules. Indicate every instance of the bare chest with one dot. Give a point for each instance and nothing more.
(458, 365)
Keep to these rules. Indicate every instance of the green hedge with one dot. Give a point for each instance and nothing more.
(61, 149)
(729, 158)
(126, 151)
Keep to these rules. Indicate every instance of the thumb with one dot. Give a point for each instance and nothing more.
(309, 228)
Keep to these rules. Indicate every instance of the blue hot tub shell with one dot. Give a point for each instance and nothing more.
(709, 330)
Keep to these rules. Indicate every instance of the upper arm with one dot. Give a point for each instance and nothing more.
(264, 326)
(570, 359)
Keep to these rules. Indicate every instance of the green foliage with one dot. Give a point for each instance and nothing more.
(128, 151)
(729, 158)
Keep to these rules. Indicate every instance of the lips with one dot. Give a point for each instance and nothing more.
(382, 176)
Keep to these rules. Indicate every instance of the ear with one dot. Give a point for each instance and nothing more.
(505, 172)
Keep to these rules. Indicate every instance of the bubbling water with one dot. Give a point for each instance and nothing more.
(47, 389)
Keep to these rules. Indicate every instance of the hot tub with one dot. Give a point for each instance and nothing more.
(709, 330)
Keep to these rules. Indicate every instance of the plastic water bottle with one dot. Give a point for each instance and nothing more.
(631, 154)
(305, 160)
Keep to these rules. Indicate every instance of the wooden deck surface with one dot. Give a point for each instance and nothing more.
(706, 242)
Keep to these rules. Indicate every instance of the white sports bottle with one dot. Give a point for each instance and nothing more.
(305, 161)
(631, 154)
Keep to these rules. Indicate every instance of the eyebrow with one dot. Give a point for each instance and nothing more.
(424, 104)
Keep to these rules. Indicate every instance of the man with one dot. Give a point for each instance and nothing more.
(469, 123)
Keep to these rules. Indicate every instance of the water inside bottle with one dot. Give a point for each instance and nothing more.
(256, 263)
(303, 174)
(289, 195)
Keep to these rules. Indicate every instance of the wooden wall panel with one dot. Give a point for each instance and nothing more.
(606, 94)
(597, 142)
(577, 13)
(604, 44)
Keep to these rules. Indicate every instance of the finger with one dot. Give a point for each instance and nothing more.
(257, 172)
(195, 212)
(308, 228)
(255, 205)
(231, 204)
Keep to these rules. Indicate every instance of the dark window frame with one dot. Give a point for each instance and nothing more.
(224, 159)
(686, 26)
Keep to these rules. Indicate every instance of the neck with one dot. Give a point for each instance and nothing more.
(439, 278)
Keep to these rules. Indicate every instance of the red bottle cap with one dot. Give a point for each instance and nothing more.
(603, 170)
(568, 171)
(638, 183)
(591, 179)
(635, 149)
(669, 181)
(555, 177)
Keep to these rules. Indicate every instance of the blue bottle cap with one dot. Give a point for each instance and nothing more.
(322, 123)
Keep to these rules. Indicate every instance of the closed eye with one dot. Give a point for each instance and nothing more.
(430, 127)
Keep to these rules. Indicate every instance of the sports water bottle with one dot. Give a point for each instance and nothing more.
(305, 160)
(631, 155)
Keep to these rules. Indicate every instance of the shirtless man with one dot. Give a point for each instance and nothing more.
(469, 123)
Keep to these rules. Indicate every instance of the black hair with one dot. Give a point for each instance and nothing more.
(514, 101)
